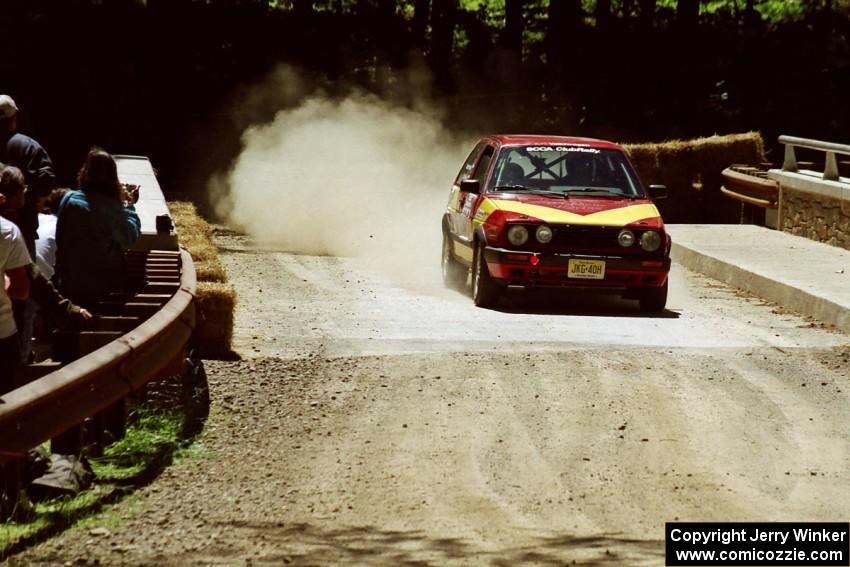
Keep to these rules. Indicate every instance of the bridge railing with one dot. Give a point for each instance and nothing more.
(830, 170)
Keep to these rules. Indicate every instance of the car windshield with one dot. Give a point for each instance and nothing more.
(565, 170)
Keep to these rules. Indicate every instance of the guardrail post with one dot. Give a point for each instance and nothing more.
(790, 162)
(115, 420)
(10, 487)
(830, 170)
(69, 442)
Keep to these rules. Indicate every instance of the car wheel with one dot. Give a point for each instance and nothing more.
(485, 291)
(454, 273)
(653, 299)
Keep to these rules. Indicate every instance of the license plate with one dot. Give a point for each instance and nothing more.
(586, 269)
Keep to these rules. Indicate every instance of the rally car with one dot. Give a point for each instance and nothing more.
(551, 211)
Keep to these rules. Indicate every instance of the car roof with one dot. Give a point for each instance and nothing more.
(532, 139)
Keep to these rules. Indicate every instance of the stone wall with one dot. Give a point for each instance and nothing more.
(818, 217)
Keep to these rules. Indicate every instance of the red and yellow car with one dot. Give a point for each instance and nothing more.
(551, 211)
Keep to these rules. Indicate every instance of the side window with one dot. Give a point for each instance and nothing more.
(469, 165)
(484, 165)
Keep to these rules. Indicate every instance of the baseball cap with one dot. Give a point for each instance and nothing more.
(8, 108)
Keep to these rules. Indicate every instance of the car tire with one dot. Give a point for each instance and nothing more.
(485, 291)
(454, 273)
(653, 299)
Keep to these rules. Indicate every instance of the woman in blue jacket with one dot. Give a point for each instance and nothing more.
(94, 228)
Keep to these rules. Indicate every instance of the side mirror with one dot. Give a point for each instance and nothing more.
(470, 186)
(658, 192)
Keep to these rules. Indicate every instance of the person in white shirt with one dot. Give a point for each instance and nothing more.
(45, 246)
(14, 260)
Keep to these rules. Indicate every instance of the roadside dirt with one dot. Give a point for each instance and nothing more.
(389, 422)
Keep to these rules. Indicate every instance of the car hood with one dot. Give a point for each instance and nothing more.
(573, 210)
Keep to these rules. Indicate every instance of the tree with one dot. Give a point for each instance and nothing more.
(303, 7)
(687, 13)
(442, 38)
(603, 14)
(514, 24)
(386, 10)
(421, 12)
(647, 13)
(564, 23)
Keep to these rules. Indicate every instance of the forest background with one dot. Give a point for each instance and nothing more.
(175, 79)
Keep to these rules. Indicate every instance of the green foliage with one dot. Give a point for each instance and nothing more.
(782, 10)
(156, 436)
(492, 12)
(771, 10)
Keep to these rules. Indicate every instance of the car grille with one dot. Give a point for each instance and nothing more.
(585, 237)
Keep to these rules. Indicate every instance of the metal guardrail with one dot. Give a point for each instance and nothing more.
(47, 407)
(763, 203)
(830, 170)
(750, 185)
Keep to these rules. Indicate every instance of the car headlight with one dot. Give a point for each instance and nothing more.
(517, 235)
(626, 238)
(543, 234)
(650, 241)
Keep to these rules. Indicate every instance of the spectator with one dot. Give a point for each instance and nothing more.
(41, 290)
(27, 155)
(14, 260)
(39, 327)
(94, 229)
(45, 246)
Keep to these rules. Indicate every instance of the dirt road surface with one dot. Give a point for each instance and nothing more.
(377, 420)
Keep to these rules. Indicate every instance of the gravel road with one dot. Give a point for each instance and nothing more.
(379, 419)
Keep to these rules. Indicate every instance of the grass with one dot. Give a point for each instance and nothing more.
(160, 430)
(151, 439)
(53, 516)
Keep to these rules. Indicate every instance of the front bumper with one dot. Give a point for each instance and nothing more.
(550, 269)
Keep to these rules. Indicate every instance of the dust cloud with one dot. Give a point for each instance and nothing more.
(357, 177)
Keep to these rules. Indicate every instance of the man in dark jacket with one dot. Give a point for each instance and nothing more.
(27, 155)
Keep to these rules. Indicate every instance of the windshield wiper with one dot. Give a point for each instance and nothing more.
(514, 187)
(528, 189)
(601, 190)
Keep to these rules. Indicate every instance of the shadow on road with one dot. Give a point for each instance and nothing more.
(307, 544)
(566, 301)
(574, 302)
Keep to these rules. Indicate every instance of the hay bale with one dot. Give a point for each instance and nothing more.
(215, 299)
(190, 226)
(215, 303)
(210, 270)
(185, 214)
(195, 235)
(200, 249)
(691, 170)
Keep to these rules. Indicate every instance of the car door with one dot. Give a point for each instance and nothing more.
(462, 204)
(456, 199)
